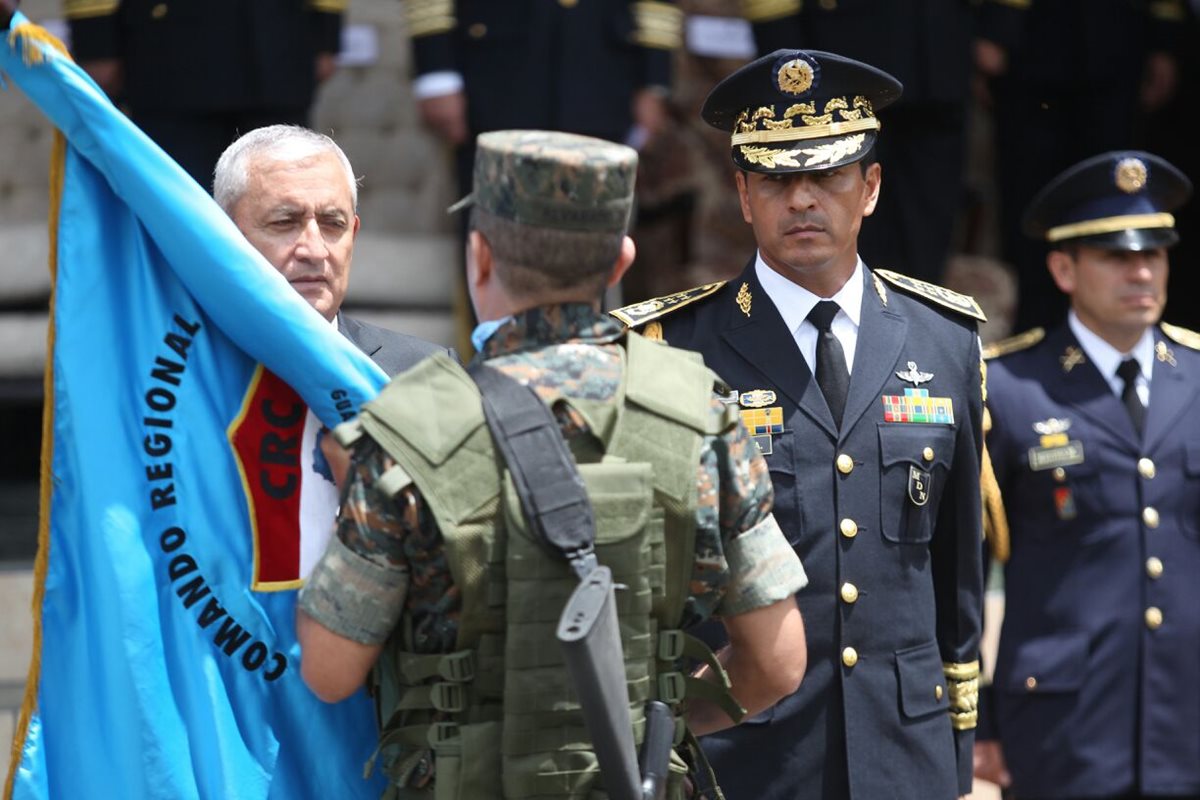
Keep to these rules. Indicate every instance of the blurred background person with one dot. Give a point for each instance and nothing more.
(1065, 79)
(195, 75)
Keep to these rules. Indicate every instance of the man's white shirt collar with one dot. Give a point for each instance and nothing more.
(1107, 358)
(794, 303)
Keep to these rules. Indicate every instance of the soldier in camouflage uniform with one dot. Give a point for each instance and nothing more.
(549, 215)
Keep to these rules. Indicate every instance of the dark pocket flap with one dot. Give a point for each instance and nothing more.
(922, 682)
(1055, 663)
(1192, 458)
(910, 443)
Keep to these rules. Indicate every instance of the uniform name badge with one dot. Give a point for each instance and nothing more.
(918, 486)
(1055, 451)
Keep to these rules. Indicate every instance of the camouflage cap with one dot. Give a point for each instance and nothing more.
(553, 180)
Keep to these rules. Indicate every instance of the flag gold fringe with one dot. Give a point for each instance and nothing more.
(41, 563)
(25, 36)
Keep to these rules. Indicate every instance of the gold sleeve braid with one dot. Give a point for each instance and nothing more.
(769, 10)
(963, 682)
(658, 25)
(85, 9)
(429, 17)
(329, 6)
(995, 522)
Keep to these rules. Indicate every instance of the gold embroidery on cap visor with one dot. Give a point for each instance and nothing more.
(1093, 227)
(820, 154)
(801, 121)
(1131, 175)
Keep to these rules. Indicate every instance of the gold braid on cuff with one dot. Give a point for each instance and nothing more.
(963, 683)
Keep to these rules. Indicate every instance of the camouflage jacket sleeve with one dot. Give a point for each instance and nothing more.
(743, 561)
(386, 556)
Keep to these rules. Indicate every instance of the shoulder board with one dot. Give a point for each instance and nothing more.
(641, 313)
(1183, 336)
(962, 303)
(1013, 344)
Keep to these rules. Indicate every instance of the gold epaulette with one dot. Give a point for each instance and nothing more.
(962, 303)
(657, 24)
(429, 17)
(1168, 10)
(963, 683)
(83, 9)
(329, 6)
(639, 314)
(1183, 336)
(768, 10)
(1013, 344)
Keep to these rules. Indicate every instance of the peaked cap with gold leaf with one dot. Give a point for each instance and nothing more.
(800, 110)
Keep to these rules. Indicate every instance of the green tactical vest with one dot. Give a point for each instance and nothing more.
(499, 713)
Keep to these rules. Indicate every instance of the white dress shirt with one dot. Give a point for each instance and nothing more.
(795, 302)
(1107, 358)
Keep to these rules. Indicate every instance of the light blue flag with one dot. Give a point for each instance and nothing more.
(160, 671)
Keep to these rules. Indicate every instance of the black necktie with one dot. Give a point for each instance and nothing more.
(1128, 372)
(832, 375)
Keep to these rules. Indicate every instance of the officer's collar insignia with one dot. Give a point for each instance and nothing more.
(1164, 353)
(756, 398)
(1130, 175)
(915, 405)
(880, 289)
(913, 375)
(637, 314)
(1071, 358)
(744, 298)
(962, 303)
(1052, 425)
(796, 76)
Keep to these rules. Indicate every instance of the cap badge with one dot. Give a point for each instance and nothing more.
(1131, 175)
(744, 299)
(795, 77)
(913, 375)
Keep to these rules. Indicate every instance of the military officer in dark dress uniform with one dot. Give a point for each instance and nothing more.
(1094, 443)
(864, 390)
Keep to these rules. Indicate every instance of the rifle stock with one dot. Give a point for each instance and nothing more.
(591, 640)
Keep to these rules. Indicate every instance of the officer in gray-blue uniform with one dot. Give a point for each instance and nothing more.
(1096, 450)
(863, 387)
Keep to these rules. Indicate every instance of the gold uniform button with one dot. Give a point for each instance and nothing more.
(849, 528)
(845, 464)
(1154, 567)
(477, 31)
(1150, 516)
(1154, 618)
(1030, 683)
(1146, 468)
(849, 592)
(849, 656)
(937, 692)
(1060, 474)
(159, 11)
(927, 454)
